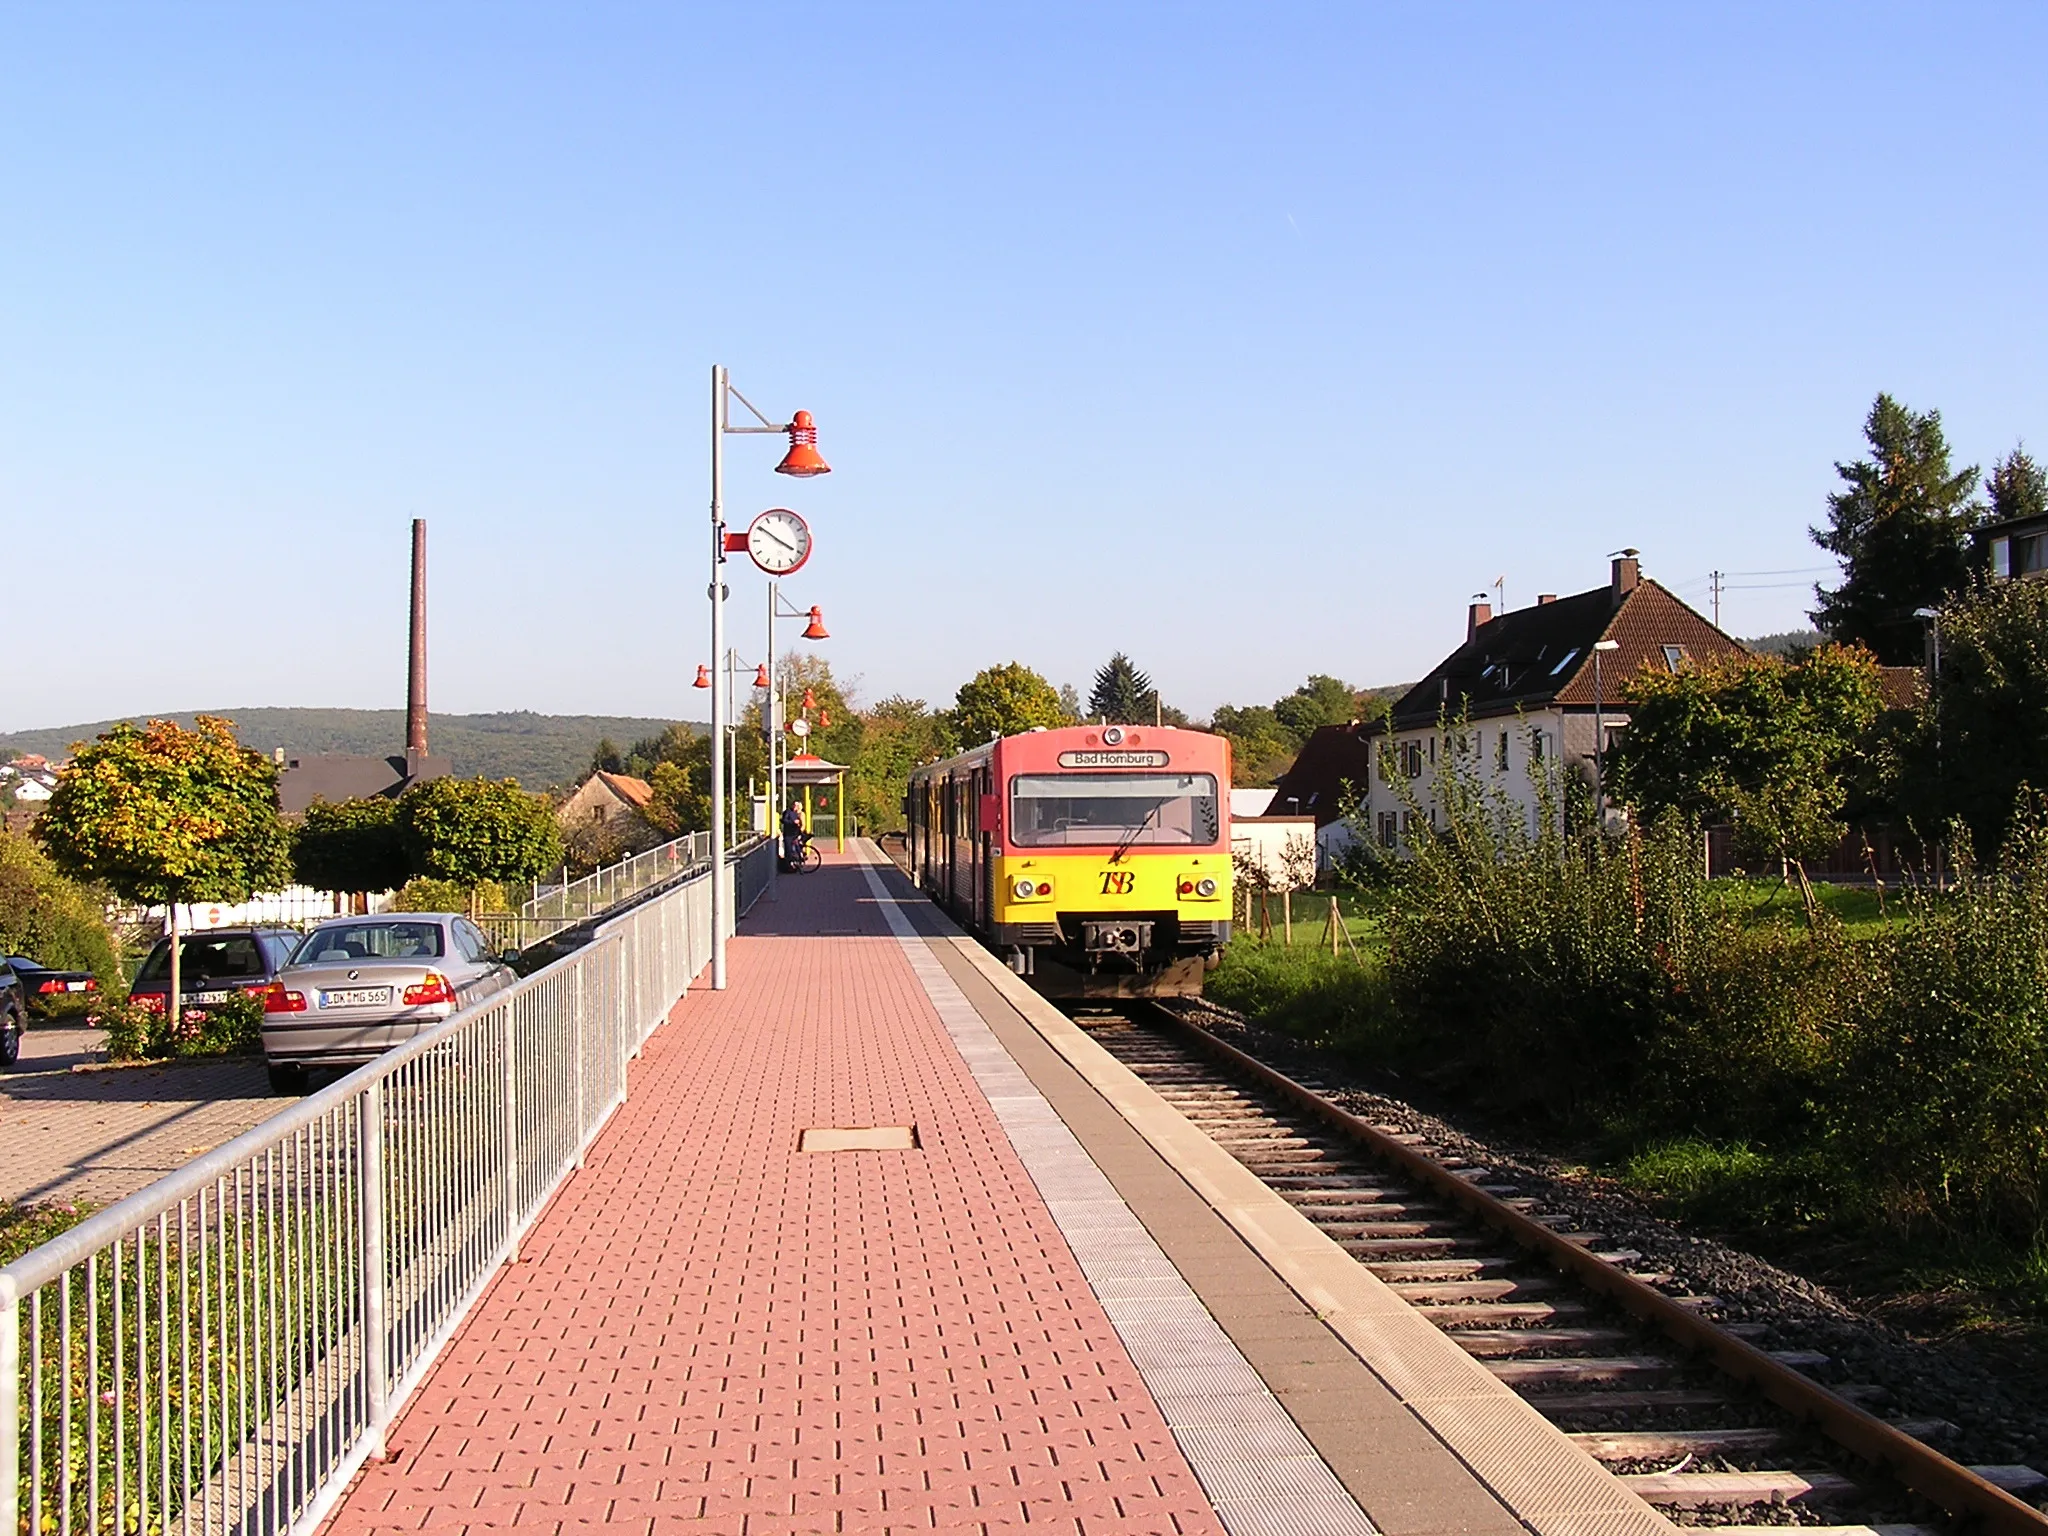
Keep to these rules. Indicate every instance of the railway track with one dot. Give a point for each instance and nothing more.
(1694, 1415)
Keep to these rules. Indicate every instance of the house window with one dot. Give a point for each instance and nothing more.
(1675, 658)
(1501, 752)
(1536, 745)
(1411, 759)
(1407, 823)
(2029, 555)
(1565, 660)
(2001, 557)
(1387, 825)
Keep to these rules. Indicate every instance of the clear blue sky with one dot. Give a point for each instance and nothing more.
(1251, 340)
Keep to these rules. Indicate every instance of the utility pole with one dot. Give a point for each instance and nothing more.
(1717, 577)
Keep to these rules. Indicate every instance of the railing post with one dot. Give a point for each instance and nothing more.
(582, 1035)
(11, 1490)
(376, 1357)
(508, 1090)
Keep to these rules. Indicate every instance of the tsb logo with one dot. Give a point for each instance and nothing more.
(1118, 882)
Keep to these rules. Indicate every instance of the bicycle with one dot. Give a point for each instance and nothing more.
(807, 857)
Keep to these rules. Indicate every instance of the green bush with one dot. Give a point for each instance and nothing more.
(423, 893)
(136, 1033)
(1309, 993)
(1942, 1093)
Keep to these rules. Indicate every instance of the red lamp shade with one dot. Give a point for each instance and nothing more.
(703, 678)
(824, 719)
(810, 702)
(761, 676)
(803, 459)
(817, 630)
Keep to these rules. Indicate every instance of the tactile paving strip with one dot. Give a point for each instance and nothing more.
(1259, 1470)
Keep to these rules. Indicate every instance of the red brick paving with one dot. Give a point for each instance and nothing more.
(712, 1332)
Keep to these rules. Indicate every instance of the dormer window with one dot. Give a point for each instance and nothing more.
(1676, 658)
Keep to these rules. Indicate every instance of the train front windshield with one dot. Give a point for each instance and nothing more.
(1061, 810)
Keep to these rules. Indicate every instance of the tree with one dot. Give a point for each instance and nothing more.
(1122, 694)
(1981, 734)
(351, 845)
(163, 814)
(2017, 486)
(1767, 743)
(899, 735)
(1070, 701)
(607, 758)
(56, 920)
(1322, 700)
(1261, 748)
(470, 831)
(1901, 529)
(1003, 701)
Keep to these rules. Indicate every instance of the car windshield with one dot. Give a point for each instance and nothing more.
(376, 940)
(1050, 810)
(206, 957)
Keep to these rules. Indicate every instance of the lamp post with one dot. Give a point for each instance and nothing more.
(772, 716)
(1933, 617)
(731, 667)
(1600, 649)
(801, 460)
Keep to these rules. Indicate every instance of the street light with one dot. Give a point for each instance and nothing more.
(771, 721)
(1600, 649)
(803, 461)
(1933, 617)
(732, 666)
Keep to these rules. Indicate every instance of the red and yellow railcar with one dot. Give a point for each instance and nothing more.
(1095, 859)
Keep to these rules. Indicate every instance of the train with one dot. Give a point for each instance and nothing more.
(1095, 859)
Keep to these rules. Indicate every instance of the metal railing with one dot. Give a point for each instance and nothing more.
(221, 1351)
(605, 888)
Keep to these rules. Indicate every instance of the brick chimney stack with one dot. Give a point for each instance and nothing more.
(1628, 571)
(1545, 597)
(416, 654)
(1479, 613)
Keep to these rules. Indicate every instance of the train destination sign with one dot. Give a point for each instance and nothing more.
(1112, 759)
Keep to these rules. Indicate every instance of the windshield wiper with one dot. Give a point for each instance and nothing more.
(1131, 836)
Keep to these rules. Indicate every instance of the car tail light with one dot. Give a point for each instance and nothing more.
(50, 986)
(433, 988)
(277, 1000)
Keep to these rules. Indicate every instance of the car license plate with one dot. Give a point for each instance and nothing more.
(355, 997)
(207, 997)
(74, 986)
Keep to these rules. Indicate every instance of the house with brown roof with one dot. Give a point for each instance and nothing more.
(1523, 699)
(603, 798)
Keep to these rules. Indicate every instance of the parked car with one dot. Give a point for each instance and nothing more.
(357, 986)
(13, 1016)
(44, 986)
(214, 965)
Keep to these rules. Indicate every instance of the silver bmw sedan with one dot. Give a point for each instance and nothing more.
(357, 986)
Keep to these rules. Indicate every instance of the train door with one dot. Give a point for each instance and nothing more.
(984, 854)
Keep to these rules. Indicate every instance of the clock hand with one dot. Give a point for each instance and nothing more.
(778, 538)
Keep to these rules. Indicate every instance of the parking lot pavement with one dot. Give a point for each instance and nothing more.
(97, 1136)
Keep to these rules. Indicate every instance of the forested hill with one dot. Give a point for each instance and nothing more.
(537, 750)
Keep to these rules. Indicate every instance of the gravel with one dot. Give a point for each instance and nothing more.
(1998, 1405)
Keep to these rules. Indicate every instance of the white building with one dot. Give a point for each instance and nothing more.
(1524, 691)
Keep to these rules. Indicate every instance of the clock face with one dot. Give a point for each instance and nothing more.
(779, 541)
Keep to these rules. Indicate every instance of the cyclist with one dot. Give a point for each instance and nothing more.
(794, 837)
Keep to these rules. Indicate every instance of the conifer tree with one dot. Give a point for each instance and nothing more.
(2017, 486)
(1901, 527)
(1122, 695)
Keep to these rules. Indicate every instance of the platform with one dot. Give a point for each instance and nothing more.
(880, 1242)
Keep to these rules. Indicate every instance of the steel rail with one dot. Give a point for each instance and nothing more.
(1919, 1467)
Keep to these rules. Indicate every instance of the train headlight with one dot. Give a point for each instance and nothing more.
(1205, 887)
(1024, 890)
